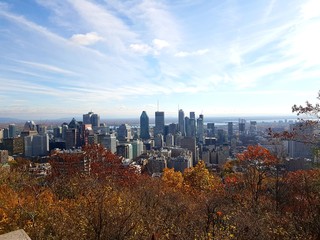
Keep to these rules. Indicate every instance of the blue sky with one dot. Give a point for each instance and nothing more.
(222, 58)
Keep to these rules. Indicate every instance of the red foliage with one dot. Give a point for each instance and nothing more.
(257, 154)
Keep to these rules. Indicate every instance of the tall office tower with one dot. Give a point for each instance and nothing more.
(87, 118)
(109, 141)
(192, 122)
(159, 123)
(40, 145)
(242, 126)
(158, 141)
(144, 126)
(181, 124)
(211, 130)
(36, 145)
(190, 144)
(12, 131)
(95, 120)
(137, 148)
(64, 129)
(125, 150)
(71, 138)
(57, 132)
(91, 118)
(253, 128)
(27, 142)
(200, 129)
(169, 140)
(173, 128)
(75, 125)
(124, 133)
(5, 133)
(187, 126)
(221, 136)
(230, 131)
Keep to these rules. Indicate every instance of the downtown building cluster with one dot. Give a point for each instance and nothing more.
(153, 147)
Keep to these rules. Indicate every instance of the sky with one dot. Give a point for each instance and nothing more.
(62, 58)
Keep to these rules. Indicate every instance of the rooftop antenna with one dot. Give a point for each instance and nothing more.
(158, 105)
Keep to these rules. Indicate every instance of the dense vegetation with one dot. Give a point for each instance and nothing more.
(259, 201)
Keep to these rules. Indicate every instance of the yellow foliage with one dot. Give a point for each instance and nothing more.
(172, 178)
(200, 178)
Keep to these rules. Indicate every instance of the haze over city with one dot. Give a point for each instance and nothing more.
(117, 58)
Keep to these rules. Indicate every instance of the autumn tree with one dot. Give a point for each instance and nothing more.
(172, 178)
(200, 178)
(256, 162)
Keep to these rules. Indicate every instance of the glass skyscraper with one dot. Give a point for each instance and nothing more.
(144, 126)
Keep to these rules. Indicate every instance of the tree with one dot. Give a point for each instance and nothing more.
(200, 178)
(172, 179)
(256, 162)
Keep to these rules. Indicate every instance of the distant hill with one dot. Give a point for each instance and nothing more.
(11, 120)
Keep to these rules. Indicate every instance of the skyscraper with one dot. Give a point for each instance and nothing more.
(124, 133)
(91, 118)
(192, 124)
(12, 130)
(200, 130)
(230, 131)
(95, 120)
(87, 118)
(159, 123)
(181, 126)
(211, 130)
(144, 126)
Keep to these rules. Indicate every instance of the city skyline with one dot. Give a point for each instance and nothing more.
(118, 59)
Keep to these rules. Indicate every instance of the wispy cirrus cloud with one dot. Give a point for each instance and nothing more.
(47, 67)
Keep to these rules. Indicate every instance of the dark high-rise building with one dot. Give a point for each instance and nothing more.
(144, 126)
(210, 130)
(159, 123)
(173, 128)
(187, 126)
(242, 126)
(200, 130)
(72, 138)
(230, 131)
(5, 133)
(91, 118)
(124, 133)
(190, 144)
(221, 136)
(181, 125)
(192, 124)
(87, 118)
(12, 130)
(95, 120)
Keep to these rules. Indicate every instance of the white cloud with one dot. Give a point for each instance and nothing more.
(194, 53)
(86, 39)
(311, 9)
(141, 48)
(160, 44)
(157, 45)
(98, 18)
